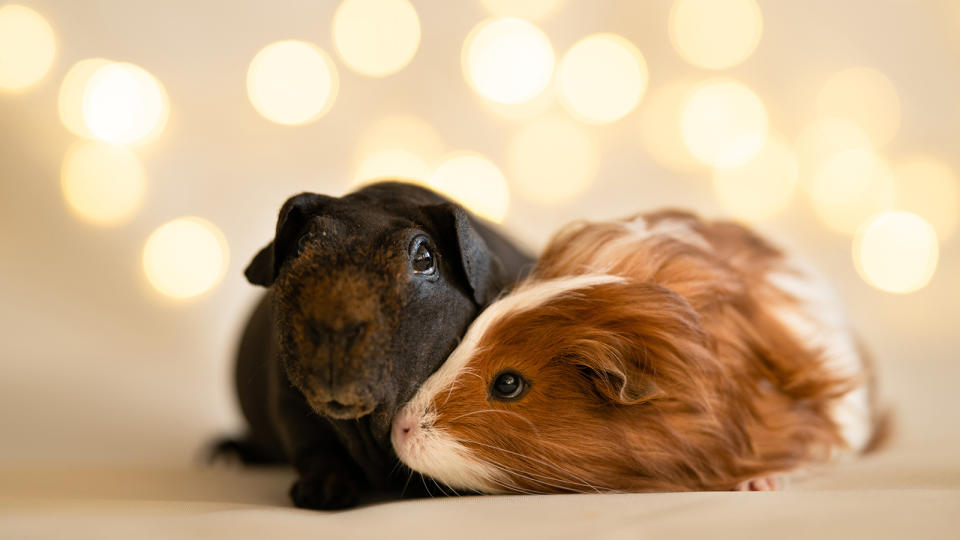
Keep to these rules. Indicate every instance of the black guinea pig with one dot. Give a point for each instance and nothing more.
(368, 294)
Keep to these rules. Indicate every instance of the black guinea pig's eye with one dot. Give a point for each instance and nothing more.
(421, 258)
(508, 386)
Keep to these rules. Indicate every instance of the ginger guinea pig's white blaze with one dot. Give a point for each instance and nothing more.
(657, 353)
(419, 435)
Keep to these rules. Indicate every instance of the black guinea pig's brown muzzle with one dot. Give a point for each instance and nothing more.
(334, 338)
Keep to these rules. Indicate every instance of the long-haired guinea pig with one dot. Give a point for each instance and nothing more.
(369, 293)
(658, 353)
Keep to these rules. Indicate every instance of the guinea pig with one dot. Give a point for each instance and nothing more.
(657, 353)
(369, 293)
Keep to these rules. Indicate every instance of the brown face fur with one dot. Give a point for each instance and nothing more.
(677, 378)
(331, 303)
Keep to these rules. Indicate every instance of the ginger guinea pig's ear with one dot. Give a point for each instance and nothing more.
(294, 215)
(484, 271)
(644, 342)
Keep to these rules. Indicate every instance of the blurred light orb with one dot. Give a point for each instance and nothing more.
(394, 164)
(475, 182)
(867, 98)
(292, 82)
(401, 131)
(524, 9)
(851, 186)
(601, 78)
(70, 98)
(825, 137)
(27, 47)
(376, 37)
(660, 128)
(103, 184)
(715, 34)
(185, 257)
(527, 110)
(928, 188)
(552, 160)
(896, 252)
(508, 60)
(724, 123)
(761, 188)
(124, 104)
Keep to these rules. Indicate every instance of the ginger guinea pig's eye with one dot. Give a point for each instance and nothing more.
(421, 257)
(508, 386)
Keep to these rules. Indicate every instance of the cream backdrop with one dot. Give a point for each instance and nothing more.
(98, 369)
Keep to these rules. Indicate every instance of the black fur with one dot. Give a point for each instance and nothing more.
(348, 331)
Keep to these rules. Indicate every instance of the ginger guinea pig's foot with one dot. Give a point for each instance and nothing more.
(763, 483)
(330, 491)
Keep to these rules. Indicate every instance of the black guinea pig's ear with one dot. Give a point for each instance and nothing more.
(484, 271)
(294, 215)
(260, 270)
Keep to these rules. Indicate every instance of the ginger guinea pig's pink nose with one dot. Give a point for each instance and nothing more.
(406, 428)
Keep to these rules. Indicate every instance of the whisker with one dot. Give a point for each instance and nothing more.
(579, 481)
(518, 415)
(425, 486)
(434, 480)
(454, 384)
(406, 484)
(518, 489)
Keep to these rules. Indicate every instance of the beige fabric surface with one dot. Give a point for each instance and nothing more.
(909, 490)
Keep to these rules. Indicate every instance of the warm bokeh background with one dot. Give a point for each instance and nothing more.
(103, 365)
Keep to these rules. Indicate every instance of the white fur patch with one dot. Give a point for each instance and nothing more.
(822, 323)
(674, 229)
(432, 451)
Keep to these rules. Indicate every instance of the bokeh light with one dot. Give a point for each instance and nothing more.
(661, 131)
(124, 104)
(292, 82)
(397, 146)
(70, 99)
(851, 186)
(475, 182)
(27, 47)
(524, 9)
(823, 138)
(552, 160)
(376, 37)
(392, 163)
(404, 131)
(715, 34)
(724, 123)
(185, 257)
(866, 97)
(539, 105)
(929, 188)
(508, 60)
(601, 78)
(102, 183)
(761, 188)
(896, 252)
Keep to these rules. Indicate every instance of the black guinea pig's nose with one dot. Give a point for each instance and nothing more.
(345, 411)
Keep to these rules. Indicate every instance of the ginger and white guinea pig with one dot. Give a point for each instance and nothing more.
(657, 353)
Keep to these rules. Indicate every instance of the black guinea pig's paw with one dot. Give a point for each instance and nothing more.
(331, 491)
(235, 452)
(225, 451)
